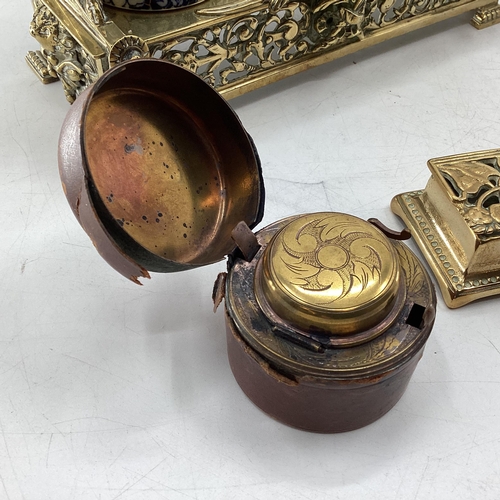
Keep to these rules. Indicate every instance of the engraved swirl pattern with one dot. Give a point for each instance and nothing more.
(336, 260)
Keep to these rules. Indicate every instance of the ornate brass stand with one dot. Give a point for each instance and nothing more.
(236, 46)
(456, 223)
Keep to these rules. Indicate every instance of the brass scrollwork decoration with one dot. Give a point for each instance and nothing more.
(476, 194)
(234, 47)
(60, 57)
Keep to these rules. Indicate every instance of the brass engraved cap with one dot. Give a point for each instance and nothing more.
(329, 273)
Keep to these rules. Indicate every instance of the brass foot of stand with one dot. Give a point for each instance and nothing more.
(486, 16)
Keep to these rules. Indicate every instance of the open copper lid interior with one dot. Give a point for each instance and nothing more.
(168, 167)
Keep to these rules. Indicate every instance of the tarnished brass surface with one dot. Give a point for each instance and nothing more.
(456, 223)
(235, 46)
(168, 167)
(279, 343)
(331, 272)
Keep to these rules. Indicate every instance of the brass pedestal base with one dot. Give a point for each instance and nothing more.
(456, 223)
(236, 46)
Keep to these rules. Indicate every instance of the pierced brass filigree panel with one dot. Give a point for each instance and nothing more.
(234, 46)
(456, 223)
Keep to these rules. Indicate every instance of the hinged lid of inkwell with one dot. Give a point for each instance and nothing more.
(158, 169)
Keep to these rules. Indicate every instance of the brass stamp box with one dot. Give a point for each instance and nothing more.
(456, 223)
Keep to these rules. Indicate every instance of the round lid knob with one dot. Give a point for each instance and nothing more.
(329, 273)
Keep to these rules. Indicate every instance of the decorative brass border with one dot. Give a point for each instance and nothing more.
(420, 218)
(236, 47)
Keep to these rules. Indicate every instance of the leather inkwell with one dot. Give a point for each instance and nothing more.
(327, 315)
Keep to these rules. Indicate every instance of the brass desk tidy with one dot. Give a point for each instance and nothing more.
(456, 223)
(236, 46)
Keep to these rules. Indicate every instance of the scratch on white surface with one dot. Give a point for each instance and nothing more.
(11, 367)
(4, 487)
(181, 491)
(15, 114)
(88, 434)
(95, 418)
(400, 157)
(26, 444)
(96, 367)
(20, 236)
(25, 371)
(160, 446)
(421, 480)
(426, 417)
(74, 244)
(145, 476)
(117, 457)
(305, 185)
(492, 344)
(345, 128)
(323, 185)
(460, 449)
(30, 200)
(48, 450)
(70, 433)
(316, 106)
(12, 464)
(21, 147)
(221, 487)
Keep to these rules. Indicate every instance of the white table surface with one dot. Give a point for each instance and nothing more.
(110, 390)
